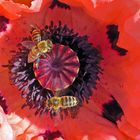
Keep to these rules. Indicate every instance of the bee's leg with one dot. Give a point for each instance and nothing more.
(58, 93)
(57, 111)
(51, 113)
(57, 117)
(44, 55)
(37, 63)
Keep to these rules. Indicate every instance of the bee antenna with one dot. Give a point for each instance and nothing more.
(32, 25)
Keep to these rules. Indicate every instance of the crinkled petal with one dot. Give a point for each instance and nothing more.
(110, 11)
(22, 128)
(6, 132)
(14, 10)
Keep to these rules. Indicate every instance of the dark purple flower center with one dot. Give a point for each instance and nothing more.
(72, 68)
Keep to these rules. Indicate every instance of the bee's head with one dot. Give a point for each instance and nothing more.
(55, 103)
(45, 46)
(52, 102)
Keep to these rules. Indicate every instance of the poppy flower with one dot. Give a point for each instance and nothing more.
(102, 49)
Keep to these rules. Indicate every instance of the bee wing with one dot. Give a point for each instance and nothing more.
(28, 44)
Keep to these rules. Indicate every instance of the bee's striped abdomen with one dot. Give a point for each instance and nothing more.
(68, 101)
(36, 36)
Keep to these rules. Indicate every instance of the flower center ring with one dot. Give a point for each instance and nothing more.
(58, 69)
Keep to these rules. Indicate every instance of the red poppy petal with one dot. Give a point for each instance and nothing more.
(132, 25)
(128, 129)
(89, 124)
(27, 2)
(7, 6)
(129, 100)
(127, 91)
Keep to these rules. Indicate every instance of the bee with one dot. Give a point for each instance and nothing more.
(37, 46)
(63, 102)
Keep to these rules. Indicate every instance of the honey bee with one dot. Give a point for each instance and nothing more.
(37, 46)
(63, 102)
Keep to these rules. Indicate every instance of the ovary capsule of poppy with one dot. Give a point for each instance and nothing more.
(55, 103)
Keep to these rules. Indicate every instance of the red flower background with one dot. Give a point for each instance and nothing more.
(120, 76)
(13, 8)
